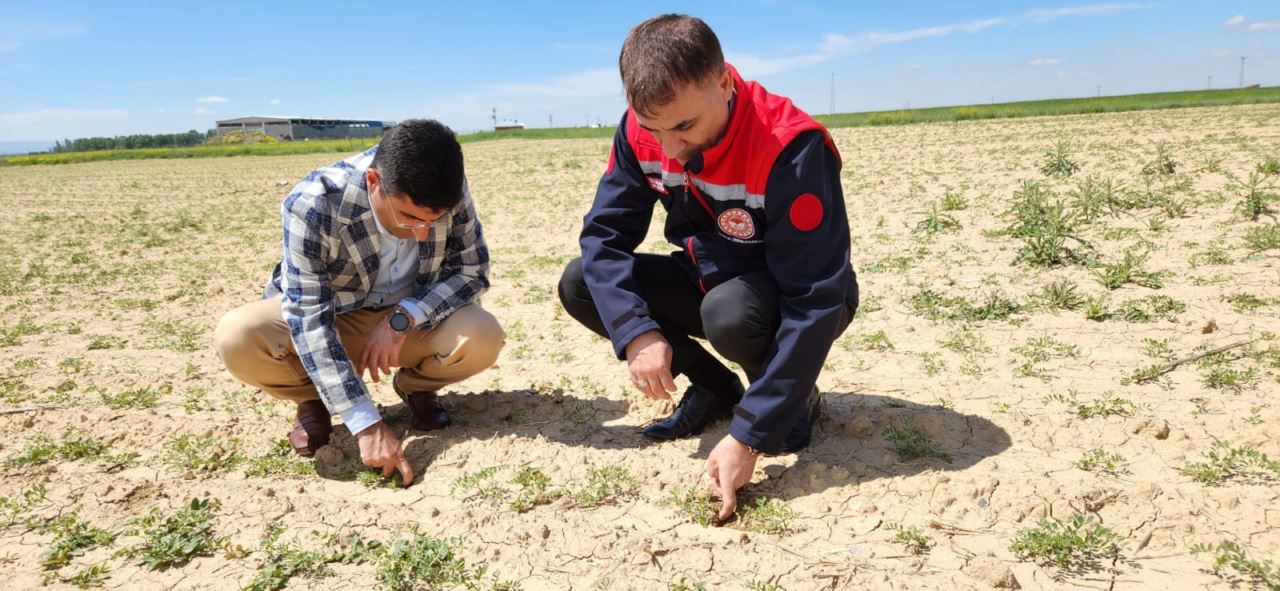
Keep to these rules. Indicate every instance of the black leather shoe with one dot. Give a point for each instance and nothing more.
(802, 433)
(425, 412)
(698, 408)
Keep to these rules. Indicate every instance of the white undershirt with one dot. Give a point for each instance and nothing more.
(397, 269)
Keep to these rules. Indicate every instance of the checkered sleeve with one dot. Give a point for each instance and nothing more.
(464, 273)
(309, 308)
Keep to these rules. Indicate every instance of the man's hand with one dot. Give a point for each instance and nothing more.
(730, 466)
(379, 448)
(381, 350)
(649, 361)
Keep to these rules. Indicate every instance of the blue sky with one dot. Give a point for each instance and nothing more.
(76, 69)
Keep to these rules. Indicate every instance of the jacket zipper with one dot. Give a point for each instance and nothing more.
(688, 247)
(691, 188)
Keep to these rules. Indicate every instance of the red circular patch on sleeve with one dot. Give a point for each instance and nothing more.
(806, 212)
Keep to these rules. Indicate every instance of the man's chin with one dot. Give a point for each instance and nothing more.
(684, 159)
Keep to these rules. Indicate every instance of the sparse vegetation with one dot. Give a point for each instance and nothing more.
(1058, 162)
(768, 517)
(1047, 227)
(203, 453)
(912, 443)
(175, 539)
(1098, 460)
(1075, 544)
(912, 538)
(1247, 569)
(1223, 463)
(72, 537)
(692, 503)
(1108, 405)
(42, 449)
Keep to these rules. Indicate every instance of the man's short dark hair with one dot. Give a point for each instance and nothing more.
(663, 54)
(421, 159)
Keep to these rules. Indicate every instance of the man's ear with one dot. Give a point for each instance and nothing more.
(725, 84)
(371, 179)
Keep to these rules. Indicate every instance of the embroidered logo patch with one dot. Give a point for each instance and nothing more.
(806, 212)
(737, 222)
(656, 185)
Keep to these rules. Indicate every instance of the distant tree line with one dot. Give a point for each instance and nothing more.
(126, 142)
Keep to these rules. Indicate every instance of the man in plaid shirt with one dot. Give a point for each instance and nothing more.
(384, 262)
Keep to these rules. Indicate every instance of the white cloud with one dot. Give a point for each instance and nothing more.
(15, 34)
(276, 101)
(1046, 15)
(212, 100)
(1044, 61)
(60, 115)
(587, 83)
(203, 111)
(1238, 21)
(835, 45)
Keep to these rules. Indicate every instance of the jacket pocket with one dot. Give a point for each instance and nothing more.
(717, 260)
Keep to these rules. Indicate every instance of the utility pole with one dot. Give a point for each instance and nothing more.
(549, 123)
(1242, 58)
(495, 117)
(1099, 91)
(832, 110)
(1209, 85)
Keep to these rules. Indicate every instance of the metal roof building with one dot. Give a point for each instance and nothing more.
(305, 128)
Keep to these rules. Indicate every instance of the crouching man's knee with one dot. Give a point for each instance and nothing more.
(233, 339)
(483, 340)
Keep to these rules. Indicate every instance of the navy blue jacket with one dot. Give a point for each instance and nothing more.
(786, 216)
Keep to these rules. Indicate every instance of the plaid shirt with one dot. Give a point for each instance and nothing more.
(331, 247)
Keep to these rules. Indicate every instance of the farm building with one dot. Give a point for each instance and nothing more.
(304, 128)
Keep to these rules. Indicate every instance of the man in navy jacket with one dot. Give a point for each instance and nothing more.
(751, 186)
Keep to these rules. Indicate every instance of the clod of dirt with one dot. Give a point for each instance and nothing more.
(545, 532)
(992, 572)
(860, 427)
(933, 426)
(475, 403)
(1209, 327)
(330, 455)
(1162, 430)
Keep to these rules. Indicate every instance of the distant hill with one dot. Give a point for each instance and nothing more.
(24, 147)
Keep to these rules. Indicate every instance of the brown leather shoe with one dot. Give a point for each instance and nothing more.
(425, 412)
(311, 428)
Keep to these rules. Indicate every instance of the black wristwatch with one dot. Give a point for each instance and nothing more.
(399, 321)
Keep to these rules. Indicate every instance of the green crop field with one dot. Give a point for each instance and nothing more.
(1106, 104)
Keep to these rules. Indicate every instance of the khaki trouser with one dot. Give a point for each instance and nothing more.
(254, 343)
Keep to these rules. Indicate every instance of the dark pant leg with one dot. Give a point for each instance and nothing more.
(673, 302)
(741, 318)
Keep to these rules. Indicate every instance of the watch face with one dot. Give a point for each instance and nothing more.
(399, 322)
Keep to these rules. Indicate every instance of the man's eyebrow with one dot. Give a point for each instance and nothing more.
(687, 123)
